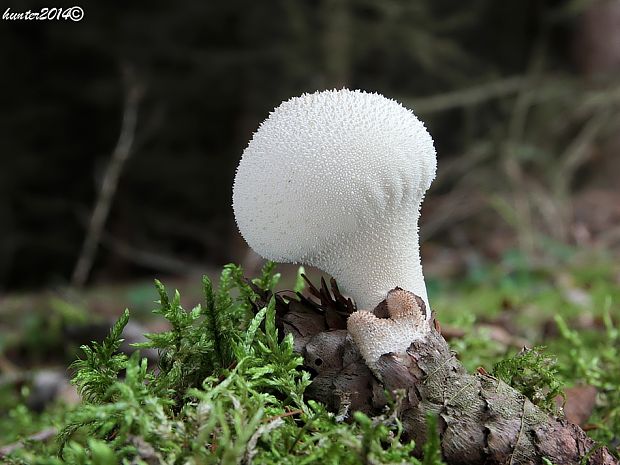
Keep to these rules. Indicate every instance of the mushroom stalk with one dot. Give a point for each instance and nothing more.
(352, 262)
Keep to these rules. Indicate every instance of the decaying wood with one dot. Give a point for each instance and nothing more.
(482, 420)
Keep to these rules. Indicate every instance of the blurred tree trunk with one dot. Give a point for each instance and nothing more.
(597, 44)
(336, 42)
(597, 54)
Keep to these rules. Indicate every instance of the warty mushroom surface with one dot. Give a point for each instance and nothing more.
(335, 179)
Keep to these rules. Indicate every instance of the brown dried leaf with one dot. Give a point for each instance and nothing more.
(580, 402)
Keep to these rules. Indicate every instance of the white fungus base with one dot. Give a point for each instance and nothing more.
(335, 179)
(375, 337)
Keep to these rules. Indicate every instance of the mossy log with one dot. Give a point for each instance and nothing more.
(481, 419)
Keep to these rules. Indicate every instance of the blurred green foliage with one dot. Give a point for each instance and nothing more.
(594, 359)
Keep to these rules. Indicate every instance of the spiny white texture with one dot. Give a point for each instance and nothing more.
(335, 179)
(375, 337)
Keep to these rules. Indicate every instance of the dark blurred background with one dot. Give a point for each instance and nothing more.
(156, 100)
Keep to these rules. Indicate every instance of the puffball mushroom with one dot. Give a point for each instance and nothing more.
(335, 179)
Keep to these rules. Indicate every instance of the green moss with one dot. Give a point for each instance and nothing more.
(227, 390)
(533, 373)
(593, 358)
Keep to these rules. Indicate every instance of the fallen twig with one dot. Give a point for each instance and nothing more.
(470, 96)
(133, 95)
(43, 435)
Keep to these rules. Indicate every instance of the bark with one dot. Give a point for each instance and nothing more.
(482, 420)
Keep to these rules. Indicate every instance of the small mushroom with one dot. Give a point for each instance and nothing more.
(335, 179)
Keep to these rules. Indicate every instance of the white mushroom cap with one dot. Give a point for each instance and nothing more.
(335, 179)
